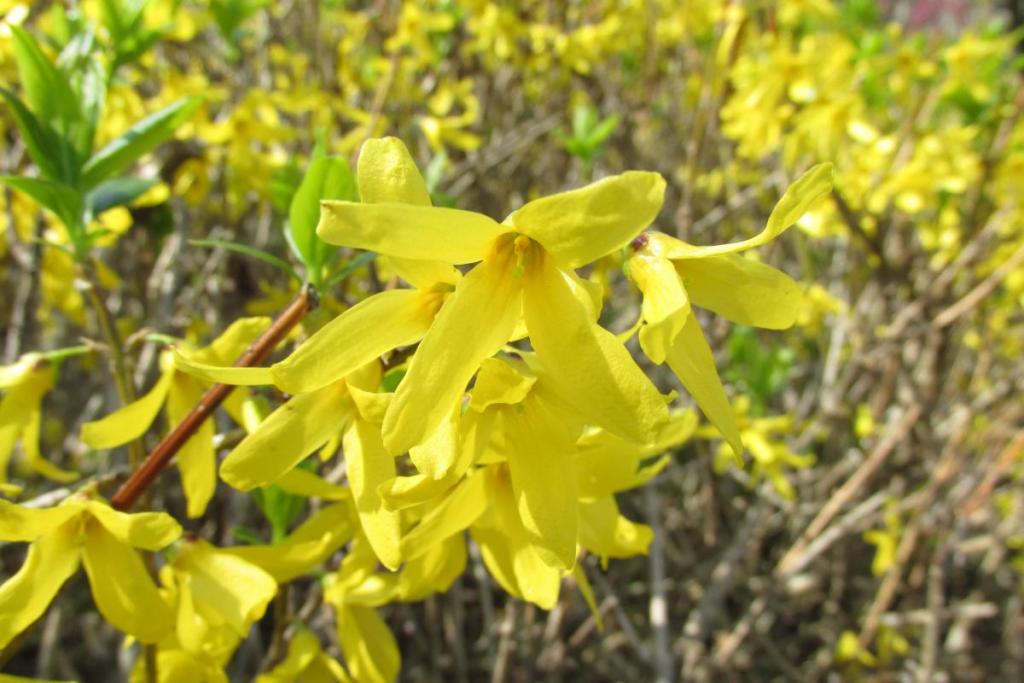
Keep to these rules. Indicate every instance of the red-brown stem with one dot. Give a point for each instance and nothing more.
(161, 456)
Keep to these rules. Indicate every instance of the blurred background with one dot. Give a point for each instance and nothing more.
(876, 530)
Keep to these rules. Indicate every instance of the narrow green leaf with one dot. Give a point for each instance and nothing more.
(62, 200)
(47, 89)
(253, 252)
(326, 178)
(350, 267)
(116, 192)
(138, 140)
(51, 153)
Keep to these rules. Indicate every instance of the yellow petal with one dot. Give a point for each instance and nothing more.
(129, 422)
(434, 571)
(305, 663)
(499, 382)
(122, 589)
(587, 591)
(304, 483)
(232, 342)
(691, 360)
(541, 459)
(799, 198)
(24, 597)
(582, 225)
(406, 231)
(146, 530)
(422, 275)
(474, 323)
(657, 278)
(222, 374)
(455, 513)
(225, 589)
(606, 533)
(361, 334)
(435, 456)
(33, 458)
(386, 172)
(589, 366)
(19, 523)
(369, 465)
(324, 532)
(368, 645)
(742, 290)
(14, 374)
(288, 435)
(196, 460)
(507, 551)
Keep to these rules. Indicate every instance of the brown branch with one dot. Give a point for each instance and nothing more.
(165, 451)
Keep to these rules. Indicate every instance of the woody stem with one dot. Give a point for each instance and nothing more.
(161, 456)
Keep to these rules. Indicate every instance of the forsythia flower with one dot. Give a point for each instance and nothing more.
(25, 383)
(305, 423)
(526, 268)
(181, 392)
(306, 661)
(81, 530)
(673, 275)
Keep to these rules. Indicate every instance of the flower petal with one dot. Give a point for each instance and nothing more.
(129, 422)
(24, 597)
(804, 193)
(196, 459)
(606, 533)
(146, 530)
(232, 342)
(225, 588)
(580, 226)
(406, 231)
(386, 172)
(456, 512)
(366, 331)
(435, 456)
(662, 288)
(541, 460)
(288, 435)
(122, 589)
(742, 290)
(370, 650)
(474, 324)
(19, 523)
(690, 358)
(588, 365)
(324, 532)
(222, 374)
(369, 465)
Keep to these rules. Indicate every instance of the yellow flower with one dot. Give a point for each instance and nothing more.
(385, 173)
(349, 406)
(216, 589)
(25, 383)
(305, 662)
(526, 269)
(180, 391)
(86, 531)
(673, 275)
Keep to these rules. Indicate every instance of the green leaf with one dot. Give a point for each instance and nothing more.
(47, 90)
(88, 80)
(602, 131)
(252, 252)
(116, 192)
(350, 267)
(64, 201)
(326, 178)
(51, 153)
(138, 140)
